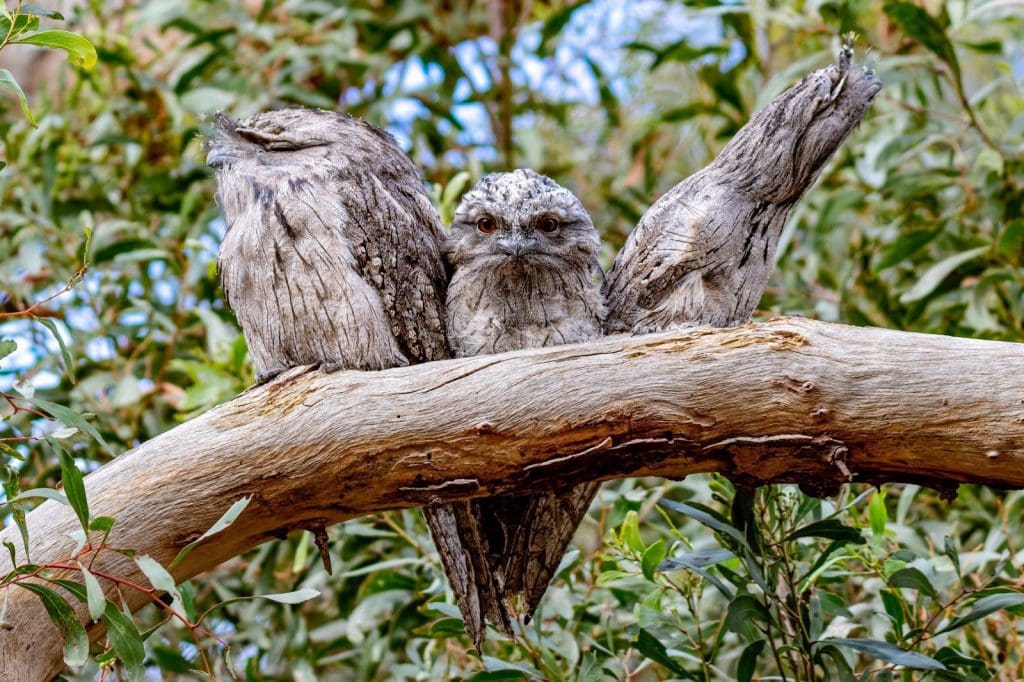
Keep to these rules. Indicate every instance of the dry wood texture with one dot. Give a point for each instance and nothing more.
(788, 400)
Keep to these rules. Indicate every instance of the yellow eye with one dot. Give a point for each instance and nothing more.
(486, 225)
(549, 225)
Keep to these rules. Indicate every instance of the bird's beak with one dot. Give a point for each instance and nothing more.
(516, 246)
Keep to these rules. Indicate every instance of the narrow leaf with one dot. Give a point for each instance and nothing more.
(8, 81)
(223, 522)
(877, 514)
(705, 517)
(74, 484)
(699, 559)
(124, 638)
(159, 577)
(647, 644)
(94, 594)
(80, 51)
(934, 276)
(913, 579)
(888, 652)
(65, 354)
(70, 418)
(47, 493)
(76, 642)
(743, 609)
(984, 607)
(652, 558)
(748, 661)
(831, 529)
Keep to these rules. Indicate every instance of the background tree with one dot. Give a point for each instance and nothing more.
(916, 225)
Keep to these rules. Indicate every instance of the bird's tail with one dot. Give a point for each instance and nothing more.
(500, 553)
(535, 530)
(461, 542)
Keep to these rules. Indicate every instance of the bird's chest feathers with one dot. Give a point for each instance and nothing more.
(498, 311)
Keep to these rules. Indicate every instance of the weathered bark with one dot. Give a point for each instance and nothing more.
(788, 400)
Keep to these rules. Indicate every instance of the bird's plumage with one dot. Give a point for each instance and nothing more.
(519, 284)
(686, 263)
(333, 253)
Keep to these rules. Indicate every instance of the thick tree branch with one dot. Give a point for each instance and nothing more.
(789, 400)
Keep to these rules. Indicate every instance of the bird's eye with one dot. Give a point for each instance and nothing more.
(549, 225)
(486, 225)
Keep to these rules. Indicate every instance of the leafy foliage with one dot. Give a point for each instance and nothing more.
(112, 329)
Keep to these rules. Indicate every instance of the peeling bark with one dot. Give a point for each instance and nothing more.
(790, 400)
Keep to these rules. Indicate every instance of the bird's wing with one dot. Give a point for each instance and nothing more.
(339, 175)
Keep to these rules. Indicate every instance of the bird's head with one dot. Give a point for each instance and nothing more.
(522, 218)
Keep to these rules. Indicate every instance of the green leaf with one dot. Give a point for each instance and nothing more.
(296, 597)
(831, 529)
(223, 522)
(913, 579)
(647, 644)
(877, 514)
(38, 11)
(102, 524)
(159, 577)
(935, 275)
(1011, 237)
(652, 558)
(94, 594)
(706, 517)
(7, 347)
(496, 665)
(126, 642)
(919, 25)
(845, 673)
(65, 354)
(80, 51)
(748, 661)
(986, 606)
(10, 485)
(122, 635)
(743, 609)
(8, 81)
(47, 493)
(904, 246)
(629, 534)
(949, 549)
(699, 559)
(74, 484)
(70, 418)
(893, 605)
(888, 652)
(76, 642)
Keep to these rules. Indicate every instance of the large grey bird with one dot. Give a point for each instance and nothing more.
(686, 263)
(333, 253)
(526, 275)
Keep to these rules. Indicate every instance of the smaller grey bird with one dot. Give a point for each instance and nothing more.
(526, 275)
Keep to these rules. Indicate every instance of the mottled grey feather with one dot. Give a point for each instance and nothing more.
(517, 287)
(686, 263)
(333, 249)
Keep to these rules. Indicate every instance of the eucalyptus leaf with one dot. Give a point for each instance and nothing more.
(220, 524)
(76, 642)
(80, 51)
(888, 652)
